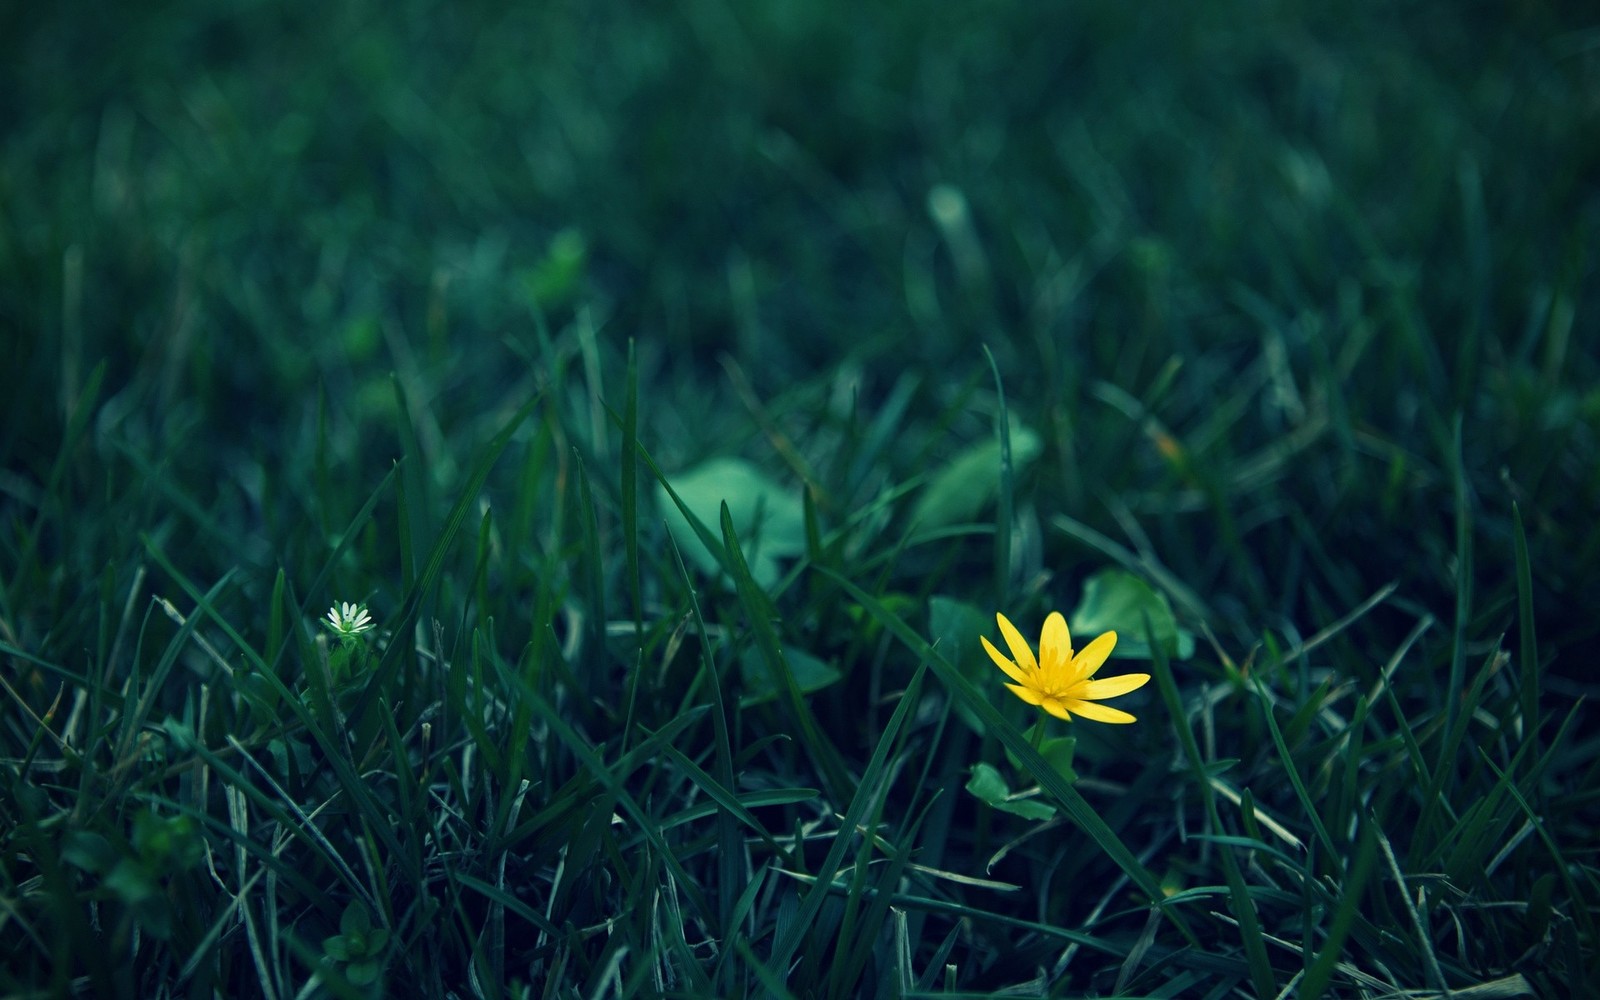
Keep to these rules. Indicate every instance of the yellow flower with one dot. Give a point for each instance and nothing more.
(1058, 681)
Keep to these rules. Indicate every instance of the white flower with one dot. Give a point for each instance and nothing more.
(348, 620)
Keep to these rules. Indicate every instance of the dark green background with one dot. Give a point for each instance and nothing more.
(249, 210)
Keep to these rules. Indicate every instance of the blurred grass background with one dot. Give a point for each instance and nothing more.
(260, 205)
(1300, 299)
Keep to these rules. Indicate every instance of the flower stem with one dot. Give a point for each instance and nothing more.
(1038, 732)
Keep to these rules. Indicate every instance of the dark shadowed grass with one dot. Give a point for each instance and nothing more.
(684, 391)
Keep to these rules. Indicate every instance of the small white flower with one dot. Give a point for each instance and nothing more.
(348, 620)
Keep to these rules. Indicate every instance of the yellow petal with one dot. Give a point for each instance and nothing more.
(1055, 642)
(1027, 694)
(1093, 655)
(1097, 711)
(1111, 687)
(1018, 645)
(1000, 661)
(1057, 708)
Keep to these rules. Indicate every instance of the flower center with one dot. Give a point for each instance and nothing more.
(1056, 675)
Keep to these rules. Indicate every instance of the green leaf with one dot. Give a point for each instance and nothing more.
(167, 844)
(768, 517)
(958, 492)
(362, 973)
(955, 627)
(1027, 808)
(335, 949)
(1115, 600)
(131, 882)
(89, 851)
(810, 674)
(987, 784)
(1057, 752)
(355, 921)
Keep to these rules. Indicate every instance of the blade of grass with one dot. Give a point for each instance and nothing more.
(703, 533)
(1483, 826)
(320, 479)
(1528, 646)
(77, 423)
(589, 568)
(630, 488)
(134, 720)
(1436, 802)
(415, 498)
(357, 523)
(1582, 908)
(770, 981)
(478, 595)
(1351, 888)
(726, 800)
(283, 810)
(411, 605)
(730, 849)
(1313, 816)
(1143, 565)
(1244, 907)
(612, 778)
(1424, 943)
(789, 941)
(506, 900)
(758, 611)
(967, 912)
(865, 942)
(1458, 647)
(1004, 513)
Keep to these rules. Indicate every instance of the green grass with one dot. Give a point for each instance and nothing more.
(684, 388)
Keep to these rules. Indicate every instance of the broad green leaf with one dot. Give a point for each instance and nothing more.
(1057, 752)
(1117, 600)
(955, 627)
(131, 882)
(767, 516)
(363, 973)
(987, 785)
(810, 674)
(958, 492)
(355, 922)
(88, 850)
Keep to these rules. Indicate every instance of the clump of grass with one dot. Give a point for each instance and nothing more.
(551, 768)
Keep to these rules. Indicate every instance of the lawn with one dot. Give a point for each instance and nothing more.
(515, 502)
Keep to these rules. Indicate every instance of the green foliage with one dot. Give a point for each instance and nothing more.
(358, 946)
(961, 488)
(1115, 600)
(764, 511)
(684, 388)
(810, 674)
(988, 785)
